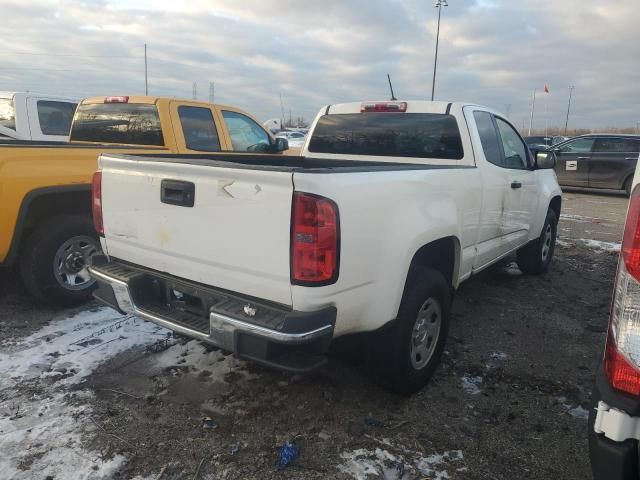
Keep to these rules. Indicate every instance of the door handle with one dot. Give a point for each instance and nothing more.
(177, 192)
(516, 184)
(631, 158)
(583, 158)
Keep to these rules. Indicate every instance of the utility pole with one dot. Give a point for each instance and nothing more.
(533, 107)
(211, 93)
(195, 90)
(439, 4)
(146, 78)
(566, 121)
(282, 112)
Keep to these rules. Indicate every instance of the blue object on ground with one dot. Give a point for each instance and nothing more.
(289, 453)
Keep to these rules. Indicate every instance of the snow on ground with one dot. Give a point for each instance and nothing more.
(365, 464)
(600, 245)
(41, 422)
(471, 384)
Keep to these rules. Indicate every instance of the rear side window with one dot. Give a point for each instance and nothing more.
(55, 117)
(128, 123)
(418, 135)
(246, 135)
(7, 113)
(616, 145)
(199, 129)
(488, 137)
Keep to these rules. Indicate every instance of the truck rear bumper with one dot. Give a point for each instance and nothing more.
(261, 331)
(611, 460)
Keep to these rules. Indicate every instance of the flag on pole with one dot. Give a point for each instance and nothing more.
(546, 88)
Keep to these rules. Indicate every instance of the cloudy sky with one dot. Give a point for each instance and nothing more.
(314, 52)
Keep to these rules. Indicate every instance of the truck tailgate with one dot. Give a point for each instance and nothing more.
(231, 232)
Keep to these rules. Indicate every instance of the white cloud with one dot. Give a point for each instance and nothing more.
(314, 52)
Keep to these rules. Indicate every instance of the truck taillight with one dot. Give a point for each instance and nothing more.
(315, 237)
(96, 202)
(118, 99)
(622, 353)
(398, 107)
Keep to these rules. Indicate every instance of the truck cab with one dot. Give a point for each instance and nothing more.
(31, 116)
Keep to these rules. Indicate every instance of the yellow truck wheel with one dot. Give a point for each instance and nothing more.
(55, 259)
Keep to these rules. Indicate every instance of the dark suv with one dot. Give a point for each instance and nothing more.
(597, 161)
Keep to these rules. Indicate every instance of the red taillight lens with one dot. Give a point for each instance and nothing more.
(96, 202)
(399, 107)
(622, 353)
(631, 239)
(315, 234)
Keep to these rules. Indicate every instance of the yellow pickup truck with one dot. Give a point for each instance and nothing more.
(45, 188)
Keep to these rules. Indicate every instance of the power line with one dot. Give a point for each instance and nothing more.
(69, 55)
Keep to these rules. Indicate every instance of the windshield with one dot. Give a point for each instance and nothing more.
(420, 135)
(7, 113)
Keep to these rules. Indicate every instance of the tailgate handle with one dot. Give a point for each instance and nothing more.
(177, 192)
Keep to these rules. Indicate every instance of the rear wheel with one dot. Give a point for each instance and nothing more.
(407, 356)
(534, 258)
(55, 260)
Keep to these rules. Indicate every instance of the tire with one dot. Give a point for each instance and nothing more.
(399, 364)
(535, 257)
(627, 185)
(54, 259)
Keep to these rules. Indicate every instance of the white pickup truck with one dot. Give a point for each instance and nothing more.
(389, 208)
(35, 117)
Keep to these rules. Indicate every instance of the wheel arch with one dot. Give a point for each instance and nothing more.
(43, 203)
(442, 255)
(555, 204)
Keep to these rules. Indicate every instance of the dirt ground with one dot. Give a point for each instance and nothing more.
(90, 394)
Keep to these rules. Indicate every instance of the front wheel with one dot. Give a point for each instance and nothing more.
(534, 258)
(407, 356)
(55, 260)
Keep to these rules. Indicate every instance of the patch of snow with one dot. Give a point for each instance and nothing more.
(578, 218)
(470, 384)
(577, 412)
(601, 245)
(42, 432)
(563, 243)
(494, 359)
(363, 464)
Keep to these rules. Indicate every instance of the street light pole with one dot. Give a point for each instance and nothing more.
(439, 4)
(533, 108)
(566, 121)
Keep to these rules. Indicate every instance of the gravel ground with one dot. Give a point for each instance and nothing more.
(118, 398)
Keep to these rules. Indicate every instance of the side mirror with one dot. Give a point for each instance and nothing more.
(280, 145)
(544, 159)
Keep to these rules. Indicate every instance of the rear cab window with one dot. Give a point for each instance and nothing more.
(55, 117)
(126, 123)
(416, 135)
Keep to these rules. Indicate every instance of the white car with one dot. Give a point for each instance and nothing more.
(295, 139)
(389, 208)
(33, 116)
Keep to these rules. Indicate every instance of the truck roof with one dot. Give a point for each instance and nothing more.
(10, 94)
(412, 106)
(148, 99)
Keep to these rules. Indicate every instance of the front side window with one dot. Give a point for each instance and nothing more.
(55, 117)
(417, 135)
(7, 113)
(581, 145)
(488, 137)
(246, 135)
(127, 123)
(199, 129)
(514, 149)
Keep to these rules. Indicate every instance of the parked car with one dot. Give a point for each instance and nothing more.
(544, 141)
(45, 188)
(35, 116)
(614, 422)
(598, 161)
(390, 208)
(295, 139)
